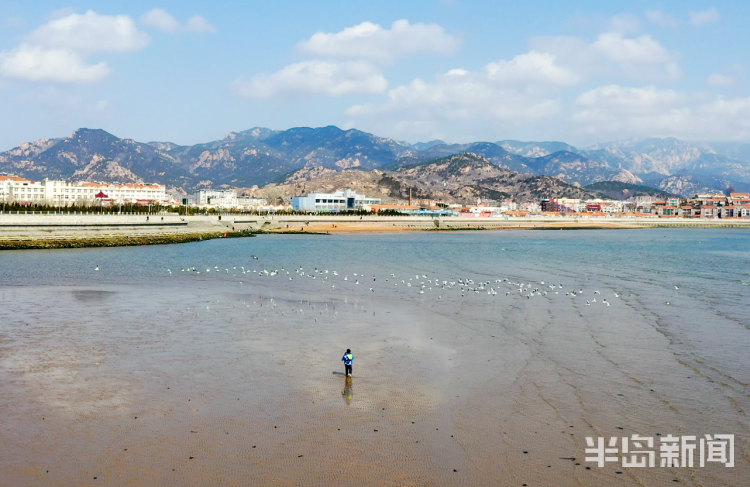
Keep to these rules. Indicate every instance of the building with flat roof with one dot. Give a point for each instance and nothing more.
(346, 200)
(220, 197)
(63, 193)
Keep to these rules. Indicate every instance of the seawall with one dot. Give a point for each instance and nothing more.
(92, 230)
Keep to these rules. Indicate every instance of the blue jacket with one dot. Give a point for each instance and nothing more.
(348, 358)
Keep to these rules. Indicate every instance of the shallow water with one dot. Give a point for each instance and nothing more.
(138, 377)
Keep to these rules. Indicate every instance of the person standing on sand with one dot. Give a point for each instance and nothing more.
(348, 358)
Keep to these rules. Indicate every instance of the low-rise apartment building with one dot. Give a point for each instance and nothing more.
(58, 192)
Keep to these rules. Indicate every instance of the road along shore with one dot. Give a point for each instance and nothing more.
(44, 231)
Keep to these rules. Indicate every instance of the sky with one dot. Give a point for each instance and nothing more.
(187, 72)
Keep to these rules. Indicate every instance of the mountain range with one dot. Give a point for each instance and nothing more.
(260, 156)
(459, 178)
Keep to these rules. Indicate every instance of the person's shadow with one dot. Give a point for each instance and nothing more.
(348, 392)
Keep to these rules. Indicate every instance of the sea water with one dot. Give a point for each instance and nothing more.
(227, 370)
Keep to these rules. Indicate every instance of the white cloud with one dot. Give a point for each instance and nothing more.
(33, 63)
(55, 52)
(718, 79)
(197, 23)
(505, 91)
(315, 77)
(704, 17)
(619, 111)
(90, 32)
(532, 68)
(641, 58)
(624, 23)
(372, 42)
(162, 20)
(661, 19)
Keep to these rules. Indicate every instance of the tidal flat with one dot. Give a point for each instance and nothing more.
(218, 362)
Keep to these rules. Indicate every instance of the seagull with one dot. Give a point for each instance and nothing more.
(676, 287)
(96, 268)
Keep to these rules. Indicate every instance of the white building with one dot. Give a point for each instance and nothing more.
(61, 193)
(338, 201)
(13, 188)
(250, 202)
(220, 197)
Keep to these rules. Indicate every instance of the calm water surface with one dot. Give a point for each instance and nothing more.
(137, 376)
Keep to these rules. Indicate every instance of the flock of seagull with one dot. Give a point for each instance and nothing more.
(421, 283)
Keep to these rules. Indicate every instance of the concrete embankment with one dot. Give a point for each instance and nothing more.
(336, 224)
(19, 231)
(45, 231)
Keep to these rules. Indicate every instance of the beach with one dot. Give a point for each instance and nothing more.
(170, 366)
(45, 230)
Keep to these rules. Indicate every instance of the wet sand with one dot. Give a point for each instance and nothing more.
(129, 376)
(366, 227)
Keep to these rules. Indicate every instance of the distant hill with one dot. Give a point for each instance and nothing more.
(534, 149)
(420, 146)
(259, 156)
(618, 190)
(460, 178)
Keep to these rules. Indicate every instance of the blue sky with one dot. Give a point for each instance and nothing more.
(188, 71)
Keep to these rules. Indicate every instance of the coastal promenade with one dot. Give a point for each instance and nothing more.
(335, 224)
(90, 229)
(18, 231)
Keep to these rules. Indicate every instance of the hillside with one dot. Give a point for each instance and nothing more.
(467, 177)
(260, 156)
(621, 191)
(461, 178)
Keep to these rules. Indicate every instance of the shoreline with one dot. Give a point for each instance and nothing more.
(94, 241)
(22, 232)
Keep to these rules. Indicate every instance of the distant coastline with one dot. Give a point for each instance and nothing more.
(35, 231)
